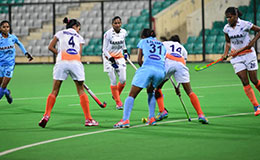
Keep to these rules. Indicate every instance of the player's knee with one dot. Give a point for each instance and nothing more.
(122, 81)
(158, 94)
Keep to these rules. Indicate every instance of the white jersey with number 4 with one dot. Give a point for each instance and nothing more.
(114, 43)
(239, 36)
(69, 45)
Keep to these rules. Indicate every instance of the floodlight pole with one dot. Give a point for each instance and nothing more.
(203, 30)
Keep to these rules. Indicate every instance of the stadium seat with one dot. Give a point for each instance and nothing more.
(130, 41)
(189, 47)
(197, 48)
(219, 48)
(215, 31)
(211, 39)
(220, 38)
(209, 48)
(207, 32)
(134, 33)
(132, 20)
(218, 24)
(191, 39)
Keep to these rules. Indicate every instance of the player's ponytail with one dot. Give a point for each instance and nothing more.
(70, 22)
(175, 38)
(146, 32)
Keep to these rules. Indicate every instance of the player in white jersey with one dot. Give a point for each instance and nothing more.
(68, 63)
(244, 59)
(114, 58)
(175, 65)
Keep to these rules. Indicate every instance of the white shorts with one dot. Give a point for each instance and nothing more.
(75, 69)
(245, 62)
(107, 64)
(178, 70)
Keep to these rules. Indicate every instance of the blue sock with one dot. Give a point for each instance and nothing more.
(2, 92)
(255, 108)
(151, 103)
(128, 105)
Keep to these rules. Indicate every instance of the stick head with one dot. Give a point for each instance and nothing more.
(197, 68)
(103, 105)
(189, 120)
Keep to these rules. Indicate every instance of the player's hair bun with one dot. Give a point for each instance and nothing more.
(66, 20)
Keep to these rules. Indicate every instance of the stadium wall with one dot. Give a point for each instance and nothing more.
(214, 11)
(173, 19)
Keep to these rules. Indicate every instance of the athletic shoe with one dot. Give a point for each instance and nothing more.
(257, 110)
(161, 115)
(203, 120)
(122, 124)
(44, 121)
(119, 106)
(91, 122)
(151, 121)
(8, 96)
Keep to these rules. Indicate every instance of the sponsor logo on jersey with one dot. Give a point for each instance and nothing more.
(117, 42)
(6, 47)
(154, 57)
(71, 51)
(69, 33)
(176, 55)
(236, 36)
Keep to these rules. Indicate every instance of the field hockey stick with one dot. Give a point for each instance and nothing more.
(132, 64)
(179, 95)
(95, 97)
(197, 68)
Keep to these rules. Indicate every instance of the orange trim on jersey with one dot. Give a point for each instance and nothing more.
(178, 59)
(243, 52)
(69, 57)
(116, 55)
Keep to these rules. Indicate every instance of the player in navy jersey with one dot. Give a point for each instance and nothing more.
(7, 58)
(149, 75)
(244, 59)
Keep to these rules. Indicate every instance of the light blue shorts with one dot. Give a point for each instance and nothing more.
(148, 74)
(6, 70)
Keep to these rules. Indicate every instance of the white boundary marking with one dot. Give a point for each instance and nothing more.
(107, 130)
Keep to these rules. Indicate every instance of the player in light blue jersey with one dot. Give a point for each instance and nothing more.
(7, 58)
(149, 75)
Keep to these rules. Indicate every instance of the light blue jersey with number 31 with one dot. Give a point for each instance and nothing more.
(153, 51)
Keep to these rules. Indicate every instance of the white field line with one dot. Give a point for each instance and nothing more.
(124, 92)
(108, 130)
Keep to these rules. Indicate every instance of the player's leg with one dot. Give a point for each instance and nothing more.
(128, 106)
(50, 102)
(256, 82)
(6, 73)
(247, 88)
(84, 102)
(3, 88)
(151, 105)
(195, 102)
(162, 114)
(114, 90)
(122, 78)
(6, 91)
(157, 78)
